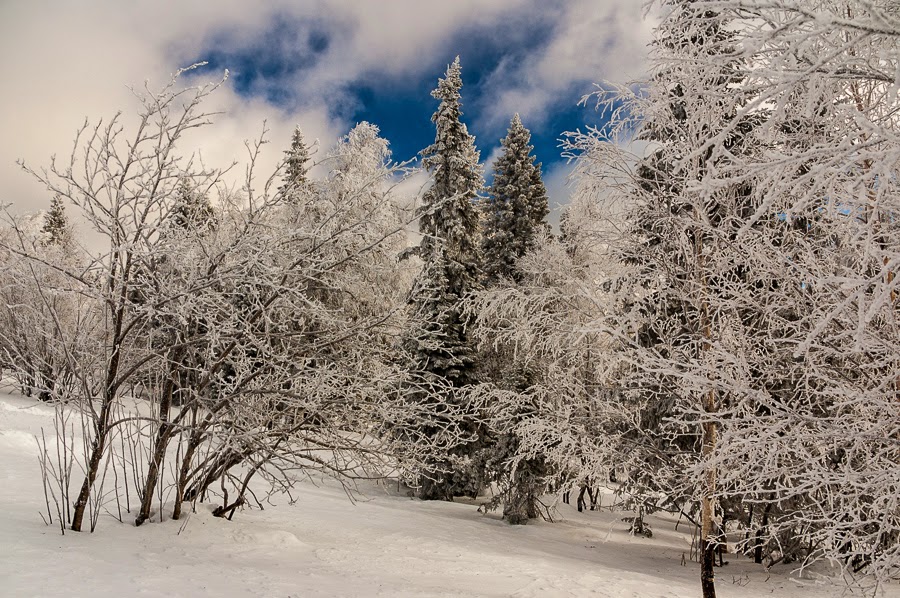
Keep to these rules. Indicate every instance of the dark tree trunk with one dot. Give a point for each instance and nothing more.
(45, 393)
(185, 470)
(98, 446)
(749, 523)
(214, 471)
(521, 504)
(758, 552)
(592, 494)
(160, 444)
(430, 489)
(707, 568)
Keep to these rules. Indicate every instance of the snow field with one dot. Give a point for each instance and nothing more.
(325, 545)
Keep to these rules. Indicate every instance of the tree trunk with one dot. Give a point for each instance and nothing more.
(221, 464)
(186, 459)
(98, 446)
(758, 552)
(709, 430)
(526, 487)
(181, 485)
(45, 379)
(160, 444)
(707, 568)
(707, 507)
(430, 489)
(749, 523)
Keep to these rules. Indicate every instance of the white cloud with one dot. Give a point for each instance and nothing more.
(64, 61)
(489, 160)
(398, 36)
(593, 41)
(559, 190)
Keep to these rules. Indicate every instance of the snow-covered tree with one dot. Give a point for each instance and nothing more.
(192, 211)
(302, 322)
(516, 207)
(819, 416)
(449, 221)
(678, 230)
(513, 224)
(40, 307)
(250, 343)
(761, 232)
(555, 414)
(56, 225)
(296, 168)
(437, 341)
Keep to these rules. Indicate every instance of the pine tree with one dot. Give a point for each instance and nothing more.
(514, 216)
(517, 205)
(192, 210)
(56, 225)
(296, 167)
(449, 223)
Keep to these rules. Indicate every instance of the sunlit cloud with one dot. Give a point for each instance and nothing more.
(300, 63)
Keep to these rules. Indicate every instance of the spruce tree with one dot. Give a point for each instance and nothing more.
(439, 345)
(449, 248)
(514, 216)
(192, 210)
(296, 168)
(56, 225)
(517, 205)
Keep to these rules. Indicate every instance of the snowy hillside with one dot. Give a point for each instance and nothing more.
(324, 545)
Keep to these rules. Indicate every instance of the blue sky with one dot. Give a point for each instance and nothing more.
(269, 65)
(322, 64)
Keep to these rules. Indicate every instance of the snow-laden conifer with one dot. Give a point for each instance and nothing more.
(449, 220)
(438, 342)
(56, 224)
(449, 248)
(513, 224)
(516, 207)
(296, 168)
(193, 211)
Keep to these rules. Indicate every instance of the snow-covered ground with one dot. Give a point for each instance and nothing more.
(324, 545)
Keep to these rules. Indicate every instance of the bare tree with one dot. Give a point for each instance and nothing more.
(258, 331)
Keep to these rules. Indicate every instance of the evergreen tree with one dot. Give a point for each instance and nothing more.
(449, 247)
(192, 210)
(296, 168)
(513, 222)
(516, 207)
(450, 250)
(56, 225)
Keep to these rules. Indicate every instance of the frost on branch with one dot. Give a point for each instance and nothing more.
(220, 337)
(437, 342)
(764, 232)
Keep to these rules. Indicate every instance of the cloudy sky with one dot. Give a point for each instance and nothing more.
(322, 64)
